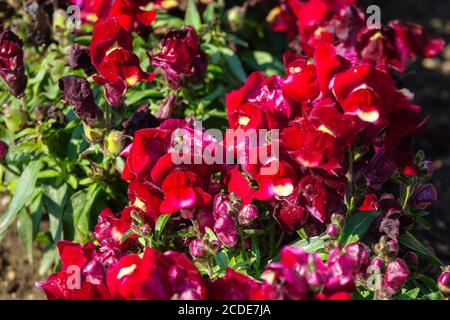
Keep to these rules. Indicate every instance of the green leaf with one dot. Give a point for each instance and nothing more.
(49, 257)
(22, 195)
(55, 201)
(256, 253)
(192, 16)
(410, 241)
(222, 260)
(208, 14)
(160, 224)
(409, 295)
(313, 244)
(234, 64)
(356, 226)
(25, 229)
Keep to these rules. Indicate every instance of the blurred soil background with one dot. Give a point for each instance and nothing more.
(429, 79)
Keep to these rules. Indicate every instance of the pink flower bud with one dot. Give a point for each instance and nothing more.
(197, 248)
(378, 263)
(397, 273)
(333, 230)
(444, 281)
(360, 255)
(392, 248)
(248, 214)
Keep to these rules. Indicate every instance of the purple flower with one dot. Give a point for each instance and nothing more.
(424, 195)
(77, 92)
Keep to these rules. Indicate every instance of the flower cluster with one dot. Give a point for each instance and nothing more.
(343, 24)
(339, 130)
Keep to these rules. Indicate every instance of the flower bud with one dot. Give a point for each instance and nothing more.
(333, 230)
(114, 142)
(15, 119)
(444, 281)
(378, 263)
(392, 248)
(248, 214)
(235, 18)
(423, 196)
(397, 273)
(214, 247)
(337, 219)
(360, 255)
(93, 135)
(197, 248)
(3, 150)
(412, 260)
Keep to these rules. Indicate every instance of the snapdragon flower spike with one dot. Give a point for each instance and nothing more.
(181, 56)
(12, 68)
(112, 56)
(225, 226)
(77, 91)
(155, 276)
(82, 276)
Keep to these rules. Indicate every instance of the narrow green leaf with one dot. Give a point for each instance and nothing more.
(48, 259)
(410, 241)
(22, 195)
(55, 201)
(160, 224)
(25, 229)
(234, 64)
(356, 226)
(192, 16)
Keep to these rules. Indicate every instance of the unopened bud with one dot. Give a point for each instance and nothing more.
(3, 150)
(333, 230)
(444, 281)
(15, 119)
(93, 135)
(114, 142)
(248, 214)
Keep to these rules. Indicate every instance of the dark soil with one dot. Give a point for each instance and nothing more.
(429, 79)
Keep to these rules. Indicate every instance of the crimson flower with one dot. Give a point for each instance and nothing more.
(181, 56)
(113, 57)
(12, 69)
(82, 276)
(155, 276)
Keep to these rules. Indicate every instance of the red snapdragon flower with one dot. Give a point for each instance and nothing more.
(155, 276)
(112, 55)
(128, 12)
(181, 56)
(82, 276)
(260, 103)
